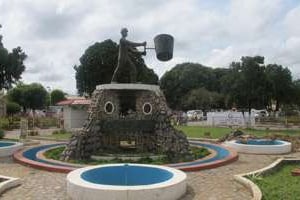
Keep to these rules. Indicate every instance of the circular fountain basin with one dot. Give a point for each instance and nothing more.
(126, 181)
(260, 146)
(7, 148)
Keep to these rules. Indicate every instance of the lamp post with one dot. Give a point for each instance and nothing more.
(49, 90)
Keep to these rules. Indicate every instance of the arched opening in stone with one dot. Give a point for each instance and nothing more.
(127, 99)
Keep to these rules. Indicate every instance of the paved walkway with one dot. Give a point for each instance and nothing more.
(36, 184)
(218, 183)
(213, 184)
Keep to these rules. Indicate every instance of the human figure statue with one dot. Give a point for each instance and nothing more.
(125, 66)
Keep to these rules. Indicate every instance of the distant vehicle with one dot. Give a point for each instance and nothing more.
(195, 114)
(259, 113)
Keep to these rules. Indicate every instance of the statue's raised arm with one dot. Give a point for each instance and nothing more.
(135, 44)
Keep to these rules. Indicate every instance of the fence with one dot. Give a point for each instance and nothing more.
(9, 123)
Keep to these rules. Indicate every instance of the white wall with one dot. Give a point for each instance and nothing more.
(74, 117)
(229, 119)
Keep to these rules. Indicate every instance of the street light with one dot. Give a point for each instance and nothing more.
(49, 90)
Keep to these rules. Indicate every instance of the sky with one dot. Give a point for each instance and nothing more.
(54, 34)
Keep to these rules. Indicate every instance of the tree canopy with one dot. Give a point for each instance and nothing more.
(31, 96)
(282, 85)
(202, 99)
(56, 96)
(98, 63)
(185, 77)
(12, 108)
(248, 83)
(11, 65)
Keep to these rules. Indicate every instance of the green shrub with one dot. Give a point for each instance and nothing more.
(61, 131)
(2, 134)
(207, 134)
(33, 133)
(4, 123)
(199, 152)
(12, 108)
(14, 122)
(54, 153)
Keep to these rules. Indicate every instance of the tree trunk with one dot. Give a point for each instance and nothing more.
(249, 115)
(277, 105)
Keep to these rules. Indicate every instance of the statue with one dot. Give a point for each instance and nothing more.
(130, 117)
(125, 64)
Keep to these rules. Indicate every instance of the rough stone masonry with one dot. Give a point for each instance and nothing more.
(127, 118)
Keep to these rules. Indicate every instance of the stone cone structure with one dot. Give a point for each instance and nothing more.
(127, 117)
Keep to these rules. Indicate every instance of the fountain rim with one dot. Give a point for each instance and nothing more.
(188, 166)
(274, 149)
(9, 150)
(282, 143)
(12, 144)
(75, 178)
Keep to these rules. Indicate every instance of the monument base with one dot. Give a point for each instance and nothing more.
(127, 118)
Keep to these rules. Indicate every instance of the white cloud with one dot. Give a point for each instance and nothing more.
(55, 33)
(221, 57)
(251, 19)
(292, 21)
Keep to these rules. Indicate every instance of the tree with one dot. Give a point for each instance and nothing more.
(56, 96)
(247, 83)
(12, 108)
(11, 65)
(98, 63)
(17, 95)
(281, 84)
(185, 77)
(202, 99)
(31, 96)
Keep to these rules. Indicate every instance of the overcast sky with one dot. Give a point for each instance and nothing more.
(55, 33)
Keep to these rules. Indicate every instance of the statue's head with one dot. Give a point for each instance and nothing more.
(124, 32)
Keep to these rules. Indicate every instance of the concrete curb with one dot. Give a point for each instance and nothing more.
(252, 187)
(9, 183)
(214, 164)
(19, 158)
(40, 155)
(79, 187)
(10, 149)
(204, 139)
(283, 147)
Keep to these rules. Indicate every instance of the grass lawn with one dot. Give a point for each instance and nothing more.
(59, 136)
(199, 131)
(10, 139)
(218, 132)
(280, 185)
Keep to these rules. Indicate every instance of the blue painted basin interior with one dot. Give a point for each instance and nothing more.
(6, 144)
(261, 142)
(222, 153)
(126, 175)
(32, 152)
